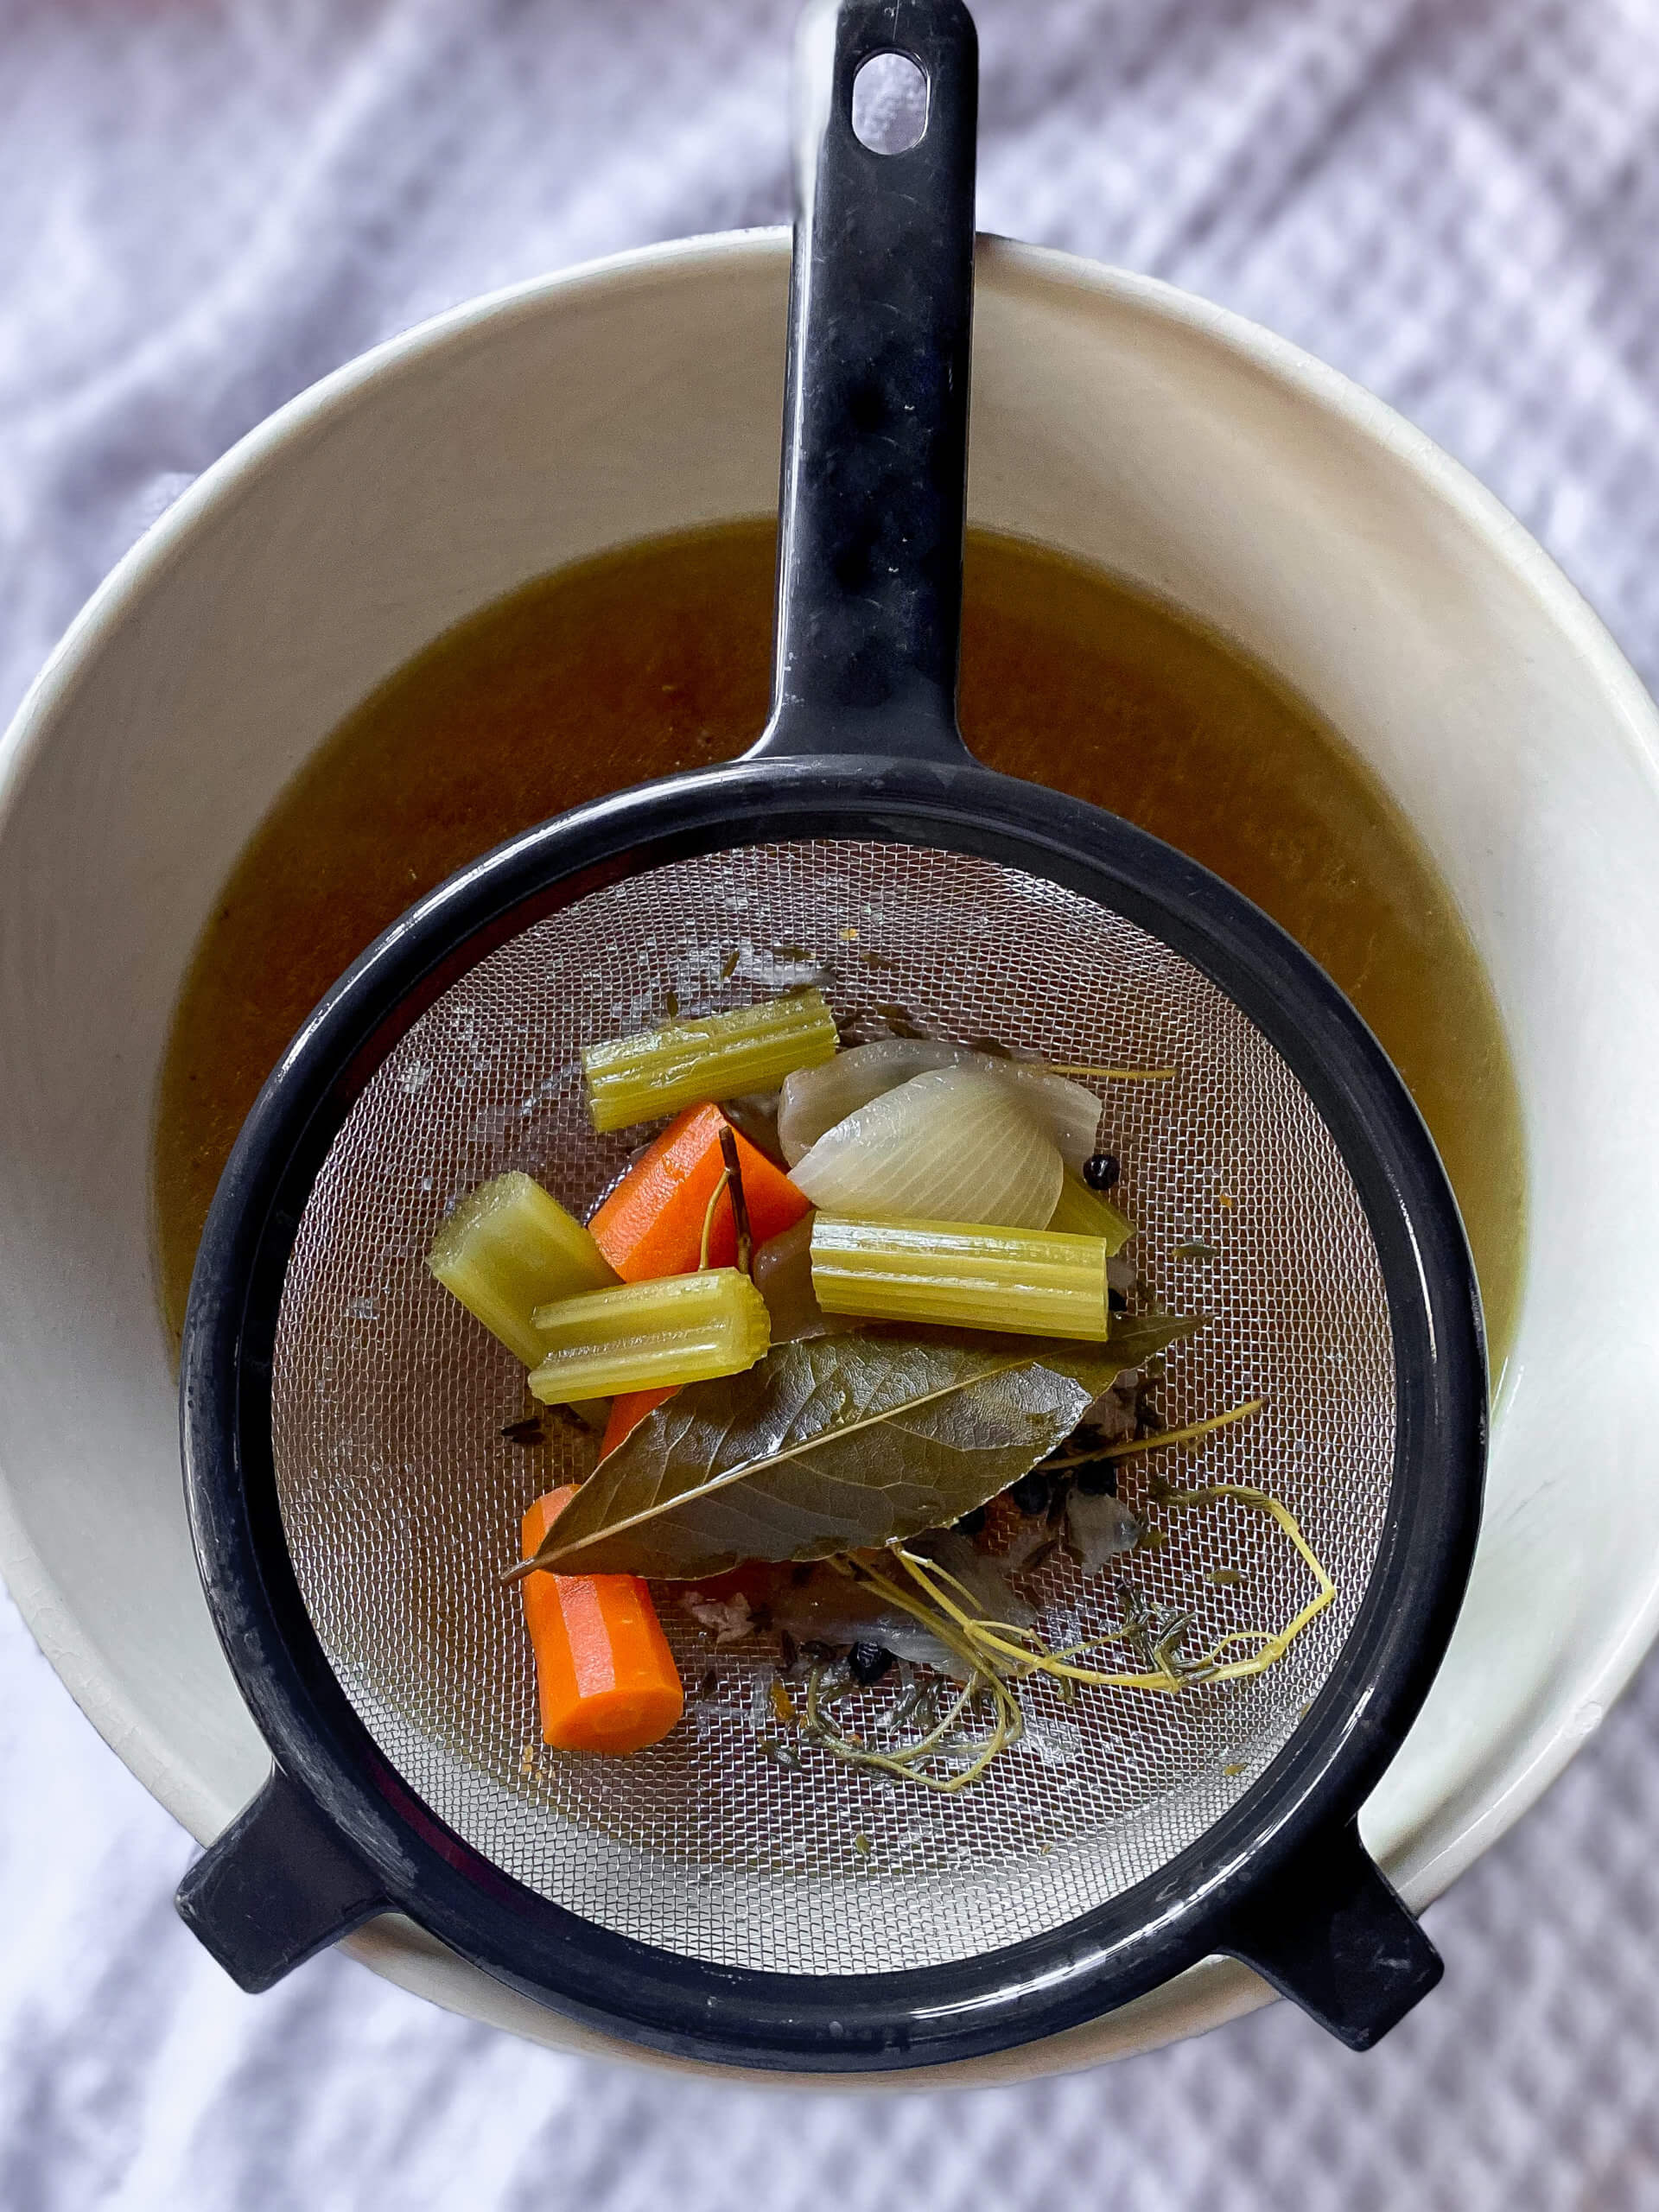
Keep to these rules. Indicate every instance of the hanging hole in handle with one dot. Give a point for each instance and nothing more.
(889, 104)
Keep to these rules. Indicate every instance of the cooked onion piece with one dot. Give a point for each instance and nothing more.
(951, 1145)
(814, 1099)
(1069, 1110)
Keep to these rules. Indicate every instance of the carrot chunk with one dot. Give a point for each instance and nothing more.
(651, 1223)
(628, 1409)
(605, 1675)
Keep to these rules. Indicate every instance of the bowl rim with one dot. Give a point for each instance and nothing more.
(1468, 1825)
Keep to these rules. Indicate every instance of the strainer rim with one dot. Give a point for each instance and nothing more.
(1043, 1983)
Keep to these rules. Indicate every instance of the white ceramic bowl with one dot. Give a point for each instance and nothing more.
(1123, 421)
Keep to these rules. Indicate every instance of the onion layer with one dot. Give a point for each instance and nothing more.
(813, 1100)
(951, 1145)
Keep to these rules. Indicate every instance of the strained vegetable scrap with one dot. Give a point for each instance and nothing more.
(1037, 1282)
(950, 1145)
(606, 1679)
(647, 1336)
(652, 1224)
(719, 1055)
(628, 1409)
(814, 1100)
(856, 1407)
(1084, 1212)
(508, 1248)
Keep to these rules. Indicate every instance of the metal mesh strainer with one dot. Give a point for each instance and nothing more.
(385, 1392)
(353, 1497)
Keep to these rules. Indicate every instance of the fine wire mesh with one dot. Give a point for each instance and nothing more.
(401, 1497)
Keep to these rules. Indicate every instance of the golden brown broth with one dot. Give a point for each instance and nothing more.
(658, 658)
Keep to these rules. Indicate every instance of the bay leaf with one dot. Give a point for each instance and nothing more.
(831, 1446)
(1137, 1337)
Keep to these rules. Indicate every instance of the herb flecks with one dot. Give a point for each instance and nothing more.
(996, 1655)
(898, 1020)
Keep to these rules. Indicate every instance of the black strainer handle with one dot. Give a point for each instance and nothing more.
(1329, 1930)
(875, 413)
(277, 1886)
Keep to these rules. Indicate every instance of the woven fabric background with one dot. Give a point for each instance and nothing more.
(204, 207)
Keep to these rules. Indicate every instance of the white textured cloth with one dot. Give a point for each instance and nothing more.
(204, 206)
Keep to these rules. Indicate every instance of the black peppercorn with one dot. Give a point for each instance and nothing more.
(1100, 1170)
(1099, 1478)
(868, 1662)
(1030, 1495)
(971, 1523)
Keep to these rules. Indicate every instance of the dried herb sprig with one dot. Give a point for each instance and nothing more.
(1189, 1434)
(943, 1740)
(996, 1655)
(1005, 1649)
(715, 1197)
(733, 1176)
(1110, 1075)
(731, 1179)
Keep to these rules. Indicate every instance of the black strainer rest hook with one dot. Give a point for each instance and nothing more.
(862, 745)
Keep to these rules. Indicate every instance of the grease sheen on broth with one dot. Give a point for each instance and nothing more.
(658, 658)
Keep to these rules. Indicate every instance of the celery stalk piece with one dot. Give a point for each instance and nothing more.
(507, 1249)
(1035, 1282)
(650, 1336)
(1084, 1212)
(718, 1056)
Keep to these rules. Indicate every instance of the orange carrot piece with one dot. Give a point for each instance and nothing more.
(604, 1673)
(651, 1223)
(628, 1409)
